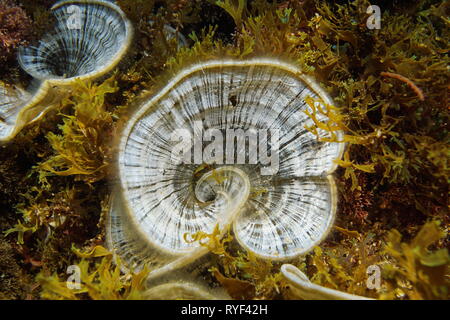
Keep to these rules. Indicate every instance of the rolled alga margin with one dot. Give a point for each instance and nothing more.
(15, 29)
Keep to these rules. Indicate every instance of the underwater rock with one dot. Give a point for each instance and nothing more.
(277, 210)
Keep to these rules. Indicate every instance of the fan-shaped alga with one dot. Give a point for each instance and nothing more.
(390, 87)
